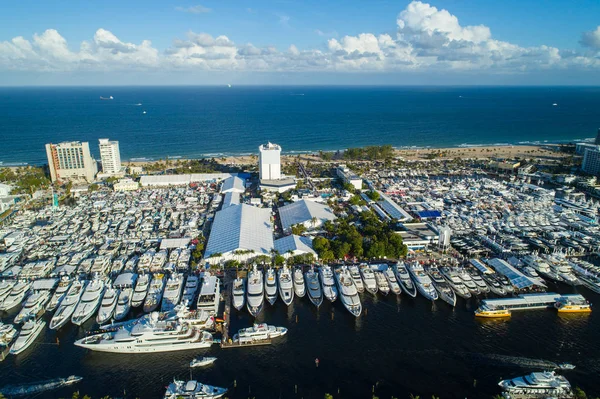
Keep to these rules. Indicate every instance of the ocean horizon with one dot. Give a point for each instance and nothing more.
(153, 122)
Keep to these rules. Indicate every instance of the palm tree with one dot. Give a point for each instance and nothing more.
(313, 221)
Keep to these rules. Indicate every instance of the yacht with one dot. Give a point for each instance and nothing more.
(392, 282)
(16, 296)
(5, 287)
(190, 290)
(149, 334)
(239, 293)
(348, 292)
(8, 333)
(193, 390)
(33, 306)
(89, 302)
(141, 290)
(59, 294)
(478, 280)
(404, 280)
(30, 331)
(468, 282)
(255, 297)
(313, 286)
(209, 297)
(270, 286)
(258, 332)
(173, 291)
(540, 266)
(445, 291)
(327, 279)
(422, 281)
(155, 293)
(355, 273)
(123, 303)
(382, 283)
(545, 384)
(369, 279)
(299, 287)
(67, 306)
(108, 305)
(286, 286)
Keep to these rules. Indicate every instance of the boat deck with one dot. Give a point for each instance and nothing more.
(231, 344)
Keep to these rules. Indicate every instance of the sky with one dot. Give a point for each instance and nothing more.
(381, 42)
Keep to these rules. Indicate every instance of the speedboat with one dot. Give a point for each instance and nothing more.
(59, 294)
(238, 292)
(190, 290)
(16, 296)
(123, 303)
(155, 293)
(545, 384)
(445, 291)
(422, 281)
(369, 279)
(193, 390)
(202, 362)
(30, 331)
(313, 286)
(255, 296)
(404, 280)
(270, 286)
(565, 366)
(392, 282)
(258, 332)
(34, 306)
(299, 287)
(141, 290)
(355, 273)
(348, 292)
(286, 286)
(67, 306)
(89, 303)
(173, 290)
(108, 305)
(382, 283)
(329, 288)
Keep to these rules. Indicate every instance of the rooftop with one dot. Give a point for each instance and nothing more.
(303, 211)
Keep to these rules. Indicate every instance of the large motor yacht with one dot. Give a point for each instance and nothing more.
(403, 277)
(173, 292)
(190, 290)
(445, 291)
(141, 290)
(327, 279)
(392, 282)
(313, 286)
(348, 292)
(299, 286)
(455, 282)
(30, 331)
(258, 332)
(16, 296)
(193, 390)
(108, 305)
(67, 306)
(369, 279)
(89, 302)
(286, 286)
(208, 299)
(422, 281)
(59, 294)
(155, 293)
(355, 273)
(239, 293)
(270, 286)
(255, 297)
(382, 283)
(546, 384)
(33, 306)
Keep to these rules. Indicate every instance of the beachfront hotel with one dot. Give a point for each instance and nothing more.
(110, 156)
(269, 161)
(71, 161)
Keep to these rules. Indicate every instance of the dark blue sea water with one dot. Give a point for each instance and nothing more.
(208, 121)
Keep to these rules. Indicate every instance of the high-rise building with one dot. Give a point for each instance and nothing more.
(71, 161)
(269, 162)
(591, 161)
(110, 156)
(597, 141)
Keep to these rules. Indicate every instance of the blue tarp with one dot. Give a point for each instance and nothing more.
(429, 214)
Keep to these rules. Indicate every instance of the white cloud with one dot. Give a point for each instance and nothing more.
(427, 39)
(194, 9)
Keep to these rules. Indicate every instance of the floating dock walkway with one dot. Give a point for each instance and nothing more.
(503, 306)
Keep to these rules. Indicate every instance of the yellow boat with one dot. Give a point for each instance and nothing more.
(496, 313)
(573, 304)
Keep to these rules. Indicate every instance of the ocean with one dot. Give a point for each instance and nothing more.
(217, 121)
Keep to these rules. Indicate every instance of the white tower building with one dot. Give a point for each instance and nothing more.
(269, 161)
(110, 156)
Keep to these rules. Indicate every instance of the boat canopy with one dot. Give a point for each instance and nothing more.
(481, 266)
(516, 278)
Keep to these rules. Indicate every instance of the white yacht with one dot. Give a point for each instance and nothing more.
(270, 286)
(328, 281)
(392, 282)
(355, 273)
(468, 282)
(286, 286)
(193, 390)
(8, 333)
(478, 280)
(455, 282)
(541, 266)
(369, 279)
(33, 306)
(203, 362)
(89, 302)
(30, 331)
(348, 292)
(445, 291)
(59, 294)
(209, 294)
(403, 277)
(313, 286)
(546, 384)
(108, 305)
(173, 291)
(123, 303)
(141, 290)
(5, 287)
(16, 296)
(190, 290)
(299, 286)
(67, 306)
(422, 281)
(258, 332)
(382, 282)
(255, 297)
(239, 293)
(155, 292)
(149, 334)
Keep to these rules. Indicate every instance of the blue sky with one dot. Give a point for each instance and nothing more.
(179, 42)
